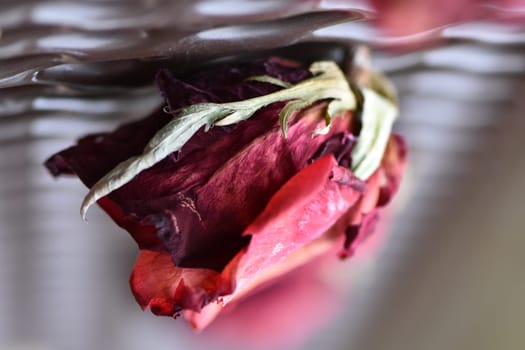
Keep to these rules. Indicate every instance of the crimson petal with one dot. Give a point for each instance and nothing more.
(166, 289)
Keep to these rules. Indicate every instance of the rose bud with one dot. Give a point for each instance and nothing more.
(251, 171)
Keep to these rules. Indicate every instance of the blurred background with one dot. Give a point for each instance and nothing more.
(445, 273)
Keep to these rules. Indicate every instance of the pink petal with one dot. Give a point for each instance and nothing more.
(301, 211)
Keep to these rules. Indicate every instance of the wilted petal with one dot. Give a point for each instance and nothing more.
(393, 167)
(166, 289)
(300, 212)
(381, 187)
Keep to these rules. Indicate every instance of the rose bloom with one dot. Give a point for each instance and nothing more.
(237, 207)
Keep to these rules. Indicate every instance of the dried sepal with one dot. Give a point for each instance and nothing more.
(270, 80)
(378, 116)
(288, 110)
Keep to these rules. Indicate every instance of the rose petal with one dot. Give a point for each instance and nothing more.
(393, 167)
(300, 212)
(166, 289)
(382, 186)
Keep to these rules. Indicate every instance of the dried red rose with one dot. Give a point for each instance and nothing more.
(237, 205)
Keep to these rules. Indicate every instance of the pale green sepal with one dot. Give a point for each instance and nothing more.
(270, 80)
(288, 110)
(378, 116)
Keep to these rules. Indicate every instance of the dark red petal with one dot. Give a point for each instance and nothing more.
(95, 155)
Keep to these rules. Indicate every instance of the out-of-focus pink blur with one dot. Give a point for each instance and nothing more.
(404, 17)
(286, 312)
